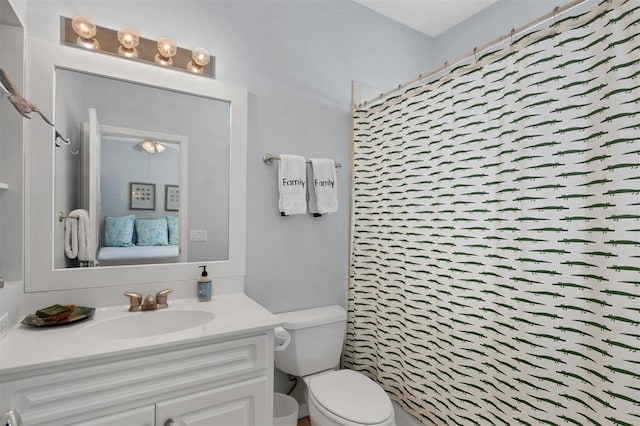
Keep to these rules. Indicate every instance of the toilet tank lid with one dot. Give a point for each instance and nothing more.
(312, 317)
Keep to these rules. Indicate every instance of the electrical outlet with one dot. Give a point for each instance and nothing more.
(198, 235)
(4, 325)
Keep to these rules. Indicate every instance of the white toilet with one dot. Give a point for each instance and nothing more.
(335, 397)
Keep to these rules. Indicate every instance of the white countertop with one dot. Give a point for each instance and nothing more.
(27, 347)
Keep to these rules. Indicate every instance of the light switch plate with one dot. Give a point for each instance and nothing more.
(198, 235)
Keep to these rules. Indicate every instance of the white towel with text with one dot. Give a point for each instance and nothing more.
(292, 183)
(323, 189)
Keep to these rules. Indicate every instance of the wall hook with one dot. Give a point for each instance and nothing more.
(24, 107)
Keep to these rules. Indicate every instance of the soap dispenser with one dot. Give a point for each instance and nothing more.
(204, 285)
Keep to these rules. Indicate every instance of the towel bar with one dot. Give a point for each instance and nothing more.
(62, 216)
(269, 158)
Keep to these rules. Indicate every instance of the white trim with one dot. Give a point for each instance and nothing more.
(39, 212)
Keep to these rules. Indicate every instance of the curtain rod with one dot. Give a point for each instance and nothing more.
(472, 53)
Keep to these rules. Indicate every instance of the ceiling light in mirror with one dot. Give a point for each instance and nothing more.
(86, 31)
(199, 58)
(152, 147)
(129, 40)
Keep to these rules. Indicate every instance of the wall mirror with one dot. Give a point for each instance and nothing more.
(127, 115)
(148, 147)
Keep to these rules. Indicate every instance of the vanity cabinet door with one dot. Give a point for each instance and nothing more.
(144, 416)
(238, 404)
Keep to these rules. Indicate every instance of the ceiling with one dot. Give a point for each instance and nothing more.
(431, 17)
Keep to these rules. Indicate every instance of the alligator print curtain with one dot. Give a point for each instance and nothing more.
(495, 275)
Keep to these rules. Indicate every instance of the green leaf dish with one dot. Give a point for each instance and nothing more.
(78, 314)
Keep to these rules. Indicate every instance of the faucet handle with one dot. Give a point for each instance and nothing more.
(161, 298)
(135, 301)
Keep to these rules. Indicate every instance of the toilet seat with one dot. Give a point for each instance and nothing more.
(351, 397)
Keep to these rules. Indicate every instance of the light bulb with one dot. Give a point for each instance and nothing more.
(159, 147)
(148, 146)
(129, 39)
(166, 50)
(86, 31)
(83, 27)
(199, 58)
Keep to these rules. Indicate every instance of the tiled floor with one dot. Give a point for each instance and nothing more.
(304, 421)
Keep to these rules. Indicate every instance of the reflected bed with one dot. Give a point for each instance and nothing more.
(135, 255)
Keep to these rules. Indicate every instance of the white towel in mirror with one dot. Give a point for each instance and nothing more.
(80, 239)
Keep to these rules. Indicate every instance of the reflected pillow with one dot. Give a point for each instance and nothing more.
(118, 231)
(152, 232)
(174, 230)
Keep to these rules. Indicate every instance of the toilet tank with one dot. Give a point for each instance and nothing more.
(317, 336)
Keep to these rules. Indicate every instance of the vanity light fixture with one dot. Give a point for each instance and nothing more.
(128, 44)
(199, 58)
(129, 40)
(86, 31)
(167, 49)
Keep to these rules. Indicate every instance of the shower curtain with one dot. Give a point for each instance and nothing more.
(495, 273)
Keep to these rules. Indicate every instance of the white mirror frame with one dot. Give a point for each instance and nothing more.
(40, 218)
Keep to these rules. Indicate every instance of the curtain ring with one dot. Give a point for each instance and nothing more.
(475, 54)
(555, 14)
(445, 67)
(513, 32)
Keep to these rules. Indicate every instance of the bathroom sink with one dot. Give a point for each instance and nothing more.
(150, 323)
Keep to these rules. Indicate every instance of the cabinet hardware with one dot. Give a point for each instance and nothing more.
(12, 418)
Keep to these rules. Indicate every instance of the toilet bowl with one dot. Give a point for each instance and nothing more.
(347, 398)
(335, 397)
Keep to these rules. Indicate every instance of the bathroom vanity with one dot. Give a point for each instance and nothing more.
(211, 364)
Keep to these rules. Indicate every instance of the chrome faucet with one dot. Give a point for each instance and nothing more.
(150, 303)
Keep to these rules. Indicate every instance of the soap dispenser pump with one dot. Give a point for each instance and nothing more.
(204, 286)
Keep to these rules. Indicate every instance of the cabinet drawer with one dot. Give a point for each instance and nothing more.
(73, 393)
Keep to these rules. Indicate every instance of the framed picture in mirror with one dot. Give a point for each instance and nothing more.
(171, 198)
(142, 196)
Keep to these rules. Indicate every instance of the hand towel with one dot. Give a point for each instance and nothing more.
(323, 190)
(71, 238)
(292, 182)
(311, 194)
(85, 235)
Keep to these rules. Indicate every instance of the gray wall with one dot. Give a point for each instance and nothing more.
(297, 59)
(121, 165)
(11, 168)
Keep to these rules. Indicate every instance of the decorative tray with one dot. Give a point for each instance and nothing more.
(79, 313)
